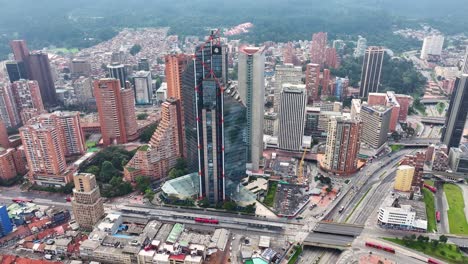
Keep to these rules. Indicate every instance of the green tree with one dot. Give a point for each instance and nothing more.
(93, 170)
(135, 49)
(443, 239)
(435, 243)
(108, 171)
(175, 173)
(142, 183)
(68, 188)
(147, 133)
(204, 202)
(142, 116)
(181, 164)
(149, 194)
(229, 205)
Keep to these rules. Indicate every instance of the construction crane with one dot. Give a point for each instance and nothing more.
(300, 176)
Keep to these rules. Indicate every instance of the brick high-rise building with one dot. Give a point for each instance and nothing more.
(327, 89)
(318, 48)
(416, 161)
(116, 108)
(79, 67)
(175, 66)
(371, 70)
(312, 80)
(39, 70)
(87, 204)
(251, 87)
(7, 164)
(331, 58)
(288, 53)
(8, 111)
(20, 50)
(4, 141)
(69, 128)
(45, 154)
(156, 159)
(342, 146)
(27, 95)
(128, 107)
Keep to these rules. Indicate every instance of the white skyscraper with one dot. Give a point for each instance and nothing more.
(143, 88)
(432, 45)
(292, 117)
(251, 86)
(286, 73)
(361, 47)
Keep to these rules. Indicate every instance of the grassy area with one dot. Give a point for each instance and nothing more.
(446, 252)
(357, 205)
(396, 147)
(296, 255)
(270, 197)
(456, 213)
(430, 210)
(65, 50)
(429, 182)
(90, 144)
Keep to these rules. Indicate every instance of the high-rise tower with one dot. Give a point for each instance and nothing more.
(221, 121)
(371, 70)
(312, 80)
(117, 71)
(456, 113)
(87, 203)
(251, 83)
(318, 48)
(20, 50)
(45, 153)
(116, 108)
(39, 70)
(342, 146)
(292, 117)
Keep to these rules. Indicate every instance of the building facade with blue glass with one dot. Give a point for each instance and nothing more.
(5, 223)
(215, 153)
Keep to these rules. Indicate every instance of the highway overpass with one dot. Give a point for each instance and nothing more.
(333, 235)
(415, 142)
(433, 120)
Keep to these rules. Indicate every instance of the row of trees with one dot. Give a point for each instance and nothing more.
(407, 240)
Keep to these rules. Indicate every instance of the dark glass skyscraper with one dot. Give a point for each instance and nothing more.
(190, 117)
(371, 71)
(16, 70)
(221, 137)
(456, 114)
(39, 70)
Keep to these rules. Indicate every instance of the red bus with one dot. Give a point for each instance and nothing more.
(438, 216)
(432, 261)
(22, 200)
(206, 220)
(377, 246)
(430, 188)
